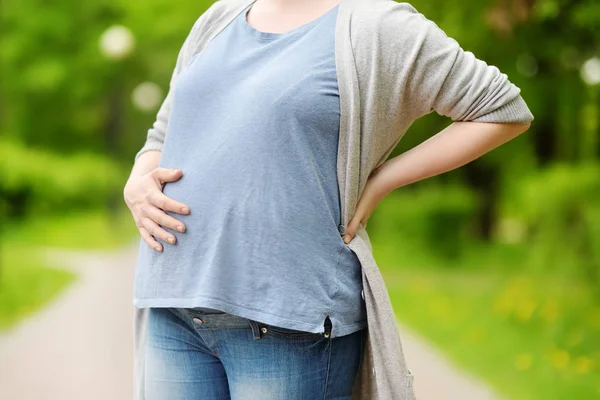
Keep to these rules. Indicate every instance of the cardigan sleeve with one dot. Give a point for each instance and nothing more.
(453, 82)
(156, 134)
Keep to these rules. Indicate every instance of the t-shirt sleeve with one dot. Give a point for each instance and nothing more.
(453, 82)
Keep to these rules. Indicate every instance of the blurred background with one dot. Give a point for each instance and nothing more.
(496, 265)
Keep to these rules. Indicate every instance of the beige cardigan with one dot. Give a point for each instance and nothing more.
(393, 66)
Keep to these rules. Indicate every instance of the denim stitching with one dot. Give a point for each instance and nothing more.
(199, 332)
(218, 351)
(185, 318)
(330, 345)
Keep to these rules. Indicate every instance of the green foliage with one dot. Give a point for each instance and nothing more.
(59, 87)
(548, 221)
(559, 212)
(33, 180)
(25, 284)
(433, 219)
(557, 190)
(530, 336)
(98, 229)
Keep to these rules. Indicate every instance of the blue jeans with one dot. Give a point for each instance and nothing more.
(194, 355)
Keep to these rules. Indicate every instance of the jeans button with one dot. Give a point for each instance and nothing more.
(362, 293)
(342, 229)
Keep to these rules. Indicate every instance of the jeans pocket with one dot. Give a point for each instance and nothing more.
(291, 334)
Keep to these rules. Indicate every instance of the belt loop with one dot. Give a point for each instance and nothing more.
(255, 329)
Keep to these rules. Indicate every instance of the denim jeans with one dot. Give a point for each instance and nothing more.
(194, 355)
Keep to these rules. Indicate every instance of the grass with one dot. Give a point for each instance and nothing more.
(26, 282)
(531, 337)
(96, 229)
(520, 315)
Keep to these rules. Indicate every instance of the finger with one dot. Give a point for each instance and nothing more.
(163, 219)
(158, 232)
(160, 200)
(162, 175)
(150, 240)
(351, 230)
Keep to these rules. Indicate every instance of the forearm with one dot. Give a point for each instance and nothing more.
(453, 147)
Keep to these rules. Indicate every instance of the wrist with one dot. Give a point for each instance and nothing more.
(145, 164)
(382, 181)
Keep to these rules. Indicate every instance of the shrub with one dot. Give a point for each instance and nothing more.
(432, 221)
(560, 210)
(36, 180)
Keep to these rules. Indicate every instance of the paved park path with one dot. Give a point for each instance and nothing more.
(80, 346)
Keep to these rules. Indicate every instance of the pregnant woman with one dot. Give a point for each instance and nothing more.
(255, 184)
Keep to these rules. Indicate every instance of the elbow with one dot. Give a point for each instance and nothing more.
(519, 127)
(510, 130)
(524, 126)
(514, 129)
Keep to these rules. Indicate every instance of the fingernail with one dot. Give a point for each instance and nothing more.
(185, 210)
(346, 239)
(157, 248)
(171, 240)
(180, 228)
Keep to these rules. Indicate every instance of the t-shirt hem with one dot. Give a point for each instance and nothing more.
(269, 319)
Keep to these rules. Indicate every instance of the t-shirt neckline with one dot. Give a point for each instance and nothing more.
(272, 35)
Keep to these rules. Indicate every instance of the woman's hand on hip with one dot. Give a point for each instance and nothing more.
(144, 197)
(375, 190)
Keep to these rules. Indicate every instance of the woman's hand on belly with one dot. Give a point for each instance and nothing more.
(144, 197)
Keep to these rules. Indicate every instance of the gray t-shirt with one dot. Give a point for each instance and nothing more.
(254, 126)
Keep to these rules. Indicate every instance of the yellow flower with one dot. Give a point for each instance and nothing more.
(550, 311)
(440, 306)
(504, 305)
(560, 358)
(583, 365)
(523, 361)
(525, 309)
